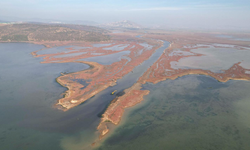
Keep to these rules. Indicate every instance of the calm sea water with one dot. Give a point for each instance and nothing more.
(233, 38)
(28, 92)
(214, 59)
(191, 112)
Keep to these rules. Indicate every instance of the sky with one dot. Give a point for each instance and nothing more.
(207, 14)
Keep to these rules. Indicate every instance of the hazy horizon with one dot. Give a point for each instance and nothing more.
(194, 14)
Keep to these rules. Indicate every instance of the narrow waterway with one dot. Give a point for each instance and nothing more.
(93, 108)
(29, 91)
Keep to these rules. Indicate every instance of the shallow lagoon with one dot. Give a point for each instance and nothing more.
(214, 59)
(70, 55)
(29, 91)
(60, 49)
(233, 37)
(191, 112)
(107, 59)
(117, 47)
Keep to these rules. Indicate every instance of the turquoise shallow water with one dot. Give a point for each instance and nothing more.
(191, 112)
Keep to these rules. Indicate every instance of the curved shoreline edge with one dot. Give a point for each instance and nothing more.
(78, 93)
(74, 87)
(134, 94)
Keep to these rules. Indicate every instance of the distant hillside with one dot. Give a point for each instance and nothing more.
(85, 28)
(48, 32)
(123, 24)
(1, 21)
(84, 22)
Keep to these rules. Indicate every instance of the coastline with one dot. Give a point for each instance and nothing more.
(114, 112)
(134, 95)
(116, 109)
(78, 93)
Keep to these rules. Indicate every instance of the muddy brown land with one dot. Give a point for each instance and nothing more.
(99, 76)
(162, 70)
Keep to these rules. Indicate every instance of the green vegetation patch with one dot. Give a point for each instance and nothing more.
(15, 38)
(48, 32)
